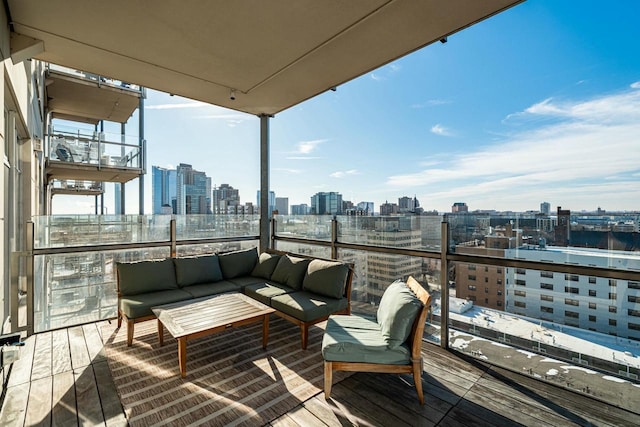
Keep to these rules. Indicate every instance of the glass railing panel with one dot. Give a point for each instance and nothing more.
(214, 248)
(88, 230)
(304, 249)
(94, 150)
(212, 226)
(78, 185)
(316, 227)
(95, 77)
(403, 231)
(71, 289)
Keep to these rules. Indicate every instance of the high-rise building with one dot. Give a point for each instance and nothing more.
(272, 201)
(163, 189)
(545, 208)
(388, 209)
(225, 200)
(326, 203)
(302, 209)
(192, 196)
(282, 205)
(459, 207)
(366, 208)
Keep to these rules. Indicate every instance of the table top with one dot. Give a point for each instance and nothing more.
(201, 314)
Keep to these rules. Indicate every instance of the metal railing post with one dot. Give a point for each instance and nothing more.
(334, 237)
(272, 240)
(444, 284)
(172, 236)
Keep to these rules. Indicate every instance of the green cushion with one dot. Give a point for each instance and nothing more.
(243, 281)
(201, 269)
(290, 271)
(214, 288)
(398, 309)
(238, 263)
(306, 306)
(326, 278)
(135, 306)
(146, 276)
(264, 291)
(265, 266)
(359, 339)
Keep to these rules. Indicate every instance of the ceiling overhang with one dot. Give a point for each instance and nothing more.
(273, 55)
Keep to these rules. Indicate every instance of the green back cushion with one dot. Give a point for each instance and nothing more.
(398, 309)
(326, 278)
(238, 263)
(146, 276)
(201, 269)
(290, 271)
(265, 266)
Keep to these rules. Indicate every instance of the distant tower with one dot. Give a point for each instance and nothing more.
(545, 208)
(563, 229)
(459, 207)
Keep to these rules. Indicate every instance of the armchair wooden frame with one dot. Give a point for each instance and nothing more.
(415, 344)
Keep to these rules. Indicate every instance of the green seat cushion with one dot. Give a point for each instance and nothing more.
(136, 306)
(238, 263)
(307, 306)
(398, 309)
(243, 281)
(264, 291)
(359, 339)
(206, 289)
(290, 271)
(146, 276)
(326, 278)
(201, 269)
(265, 266)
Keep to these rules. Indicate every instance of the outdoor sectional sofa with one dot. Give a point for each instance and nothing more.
(303, 290)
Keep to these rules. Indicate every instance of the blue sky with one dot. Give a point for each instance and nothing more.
(539, 103)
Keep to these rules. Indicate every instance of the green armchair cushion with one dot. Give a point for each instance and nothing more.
(201, 269)
(326, 278)
(398, 309)
(146, 276)
(290, 271)
(265, 266)
(359, 339)
(238, 263)
(307, 306)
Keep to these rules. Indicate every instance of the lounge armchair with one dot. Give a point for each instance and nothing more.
(390, 343)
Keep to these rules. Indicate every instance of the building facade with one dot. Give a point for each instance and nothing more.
(326, 203)
(163, 189)
(225, 199)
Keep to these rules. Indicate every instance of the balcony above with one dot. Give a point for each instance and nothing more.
(88, 98)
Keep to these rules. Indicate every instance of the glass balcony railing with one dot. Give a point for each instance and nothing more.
(94, 77)
(94, 148)
(503, 292)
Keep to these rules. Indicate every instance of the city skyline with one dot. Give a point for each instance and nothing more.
(540, 103)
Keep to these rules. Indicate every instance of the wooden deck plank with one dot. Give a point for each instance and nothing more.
(303, 417)
(21, 368)
(94, 343)
(87, 397)
(39, 404)
(78, 347)
(14, 408)
(63, 400)
(111, 406)
(42, 356)
(469, 414)
(318, 406)
(61, 355)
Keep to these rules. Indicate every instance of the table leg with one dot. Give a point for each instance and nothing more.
(182, 356)
(265, 330)
(160, 333)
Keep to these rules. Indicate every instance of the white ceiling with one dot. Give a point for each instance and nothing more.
(274, 54)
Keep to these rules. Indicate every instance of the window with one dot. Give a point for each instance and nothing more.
(547, 274)
(569, 301)
(499, 304)
(520, 304)
(472, 267)
(546, 298)
(499, 270)
(592, 293)
(634, 285)
(486, 290)
(592, 318)
(546, 309)
(471, 297)
(486, 300)
(613, 282)
(520, 293)
(471, 287)
(592, 280)
(572, 277)
(499, 292)
(572, 314)
(613, 322)
(548, 286)
(592, 305)
(613, 295)
(486, 269)
(486, 280)
(521, 271)
(613, 309)
(472, 277)
(633, 298)
(634, 326)
(571, 290)
(499, 281)
(521, 282)
(635, 313)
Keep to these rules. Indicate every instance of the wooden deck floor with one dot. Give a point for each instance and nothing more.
(63, 379)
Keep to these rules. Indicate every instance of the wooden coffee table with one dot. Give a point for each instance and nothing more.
(199, 317)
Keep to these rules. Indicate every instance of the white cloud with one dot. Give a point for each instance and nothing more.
(376, 77)
(635, 85)
(190, 104)
(289, 171)
(306, 147)
(342, 174)
(438, 129)
(394, 68)
(573, 155)
(302, 158)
